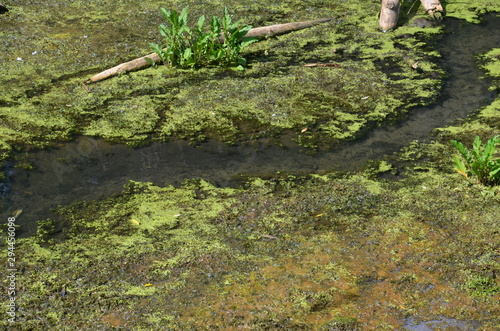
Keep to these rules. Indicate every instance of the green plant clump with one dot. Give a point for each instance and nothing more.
(189, 48)
(479, 161)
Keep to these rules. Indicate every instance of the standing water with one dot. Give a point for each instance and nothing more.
(90, 168)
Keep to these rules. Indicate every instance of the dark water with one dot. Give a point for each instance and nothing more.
(90, 168)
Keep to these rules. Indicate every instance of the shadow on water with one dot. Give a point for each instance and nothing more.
(90, 168)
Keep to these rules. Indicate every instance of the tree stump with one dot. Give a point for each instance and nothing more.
(389, 14)
(433, 8)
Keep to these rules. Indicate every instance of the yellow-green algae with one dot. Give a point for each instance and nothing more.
(290, 253)
(486, 121)
(50, 50)
(312, 253)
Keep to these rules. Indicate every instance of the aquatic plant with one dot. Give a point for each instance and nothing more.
(186, 47)
(479, 161)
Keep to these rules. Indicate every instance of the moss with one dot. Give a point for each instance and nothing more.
(481, 286)
(141, 290)
(341, 323)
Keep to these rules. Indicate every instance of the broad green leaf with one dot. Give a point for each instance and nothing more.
(459, 166)
(187, 53)
(248, 41)
(201, 22)
(226, 19)
(477, 143)
(494, 172)
(166, 13)
(476, 149)
(183, 16)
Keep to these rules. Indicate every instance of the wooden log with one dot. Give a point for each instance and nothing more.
(141, 62)
(135, 64)
(277, 29)
(433, 8)
(389, 14)
(3, 8)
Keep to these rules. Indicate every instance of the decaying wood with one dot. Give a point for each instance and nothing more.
(141, 63)
(3, 8)
(273, 30)
(135, 64)
(389, 14)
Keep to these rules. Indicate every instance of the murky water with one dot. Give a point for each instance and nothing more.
(89, 168)
(439, 324)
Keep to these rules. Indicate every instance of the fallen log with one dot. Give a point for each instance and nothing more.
(334, 65)
(141, 62)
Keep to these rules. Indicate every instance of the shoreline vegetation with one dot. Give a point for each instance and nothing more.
(404, 242)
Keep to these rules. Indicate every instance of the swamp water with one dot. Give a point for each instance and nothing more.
(90, 168)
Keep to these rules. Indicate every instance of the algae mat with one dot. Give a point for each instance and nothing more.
(308, 253)
(89, 168)
(317, 253)
(47, 51)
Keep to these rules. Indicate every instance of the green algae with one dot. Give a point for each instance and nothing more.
(486, 121)
(491, 64)
(471, 11)
(119, 122)
(275, 254)
(293, 253)
(45, 100)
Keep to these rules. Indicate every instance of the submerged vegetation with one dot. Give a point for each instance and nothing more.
(405, 241)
